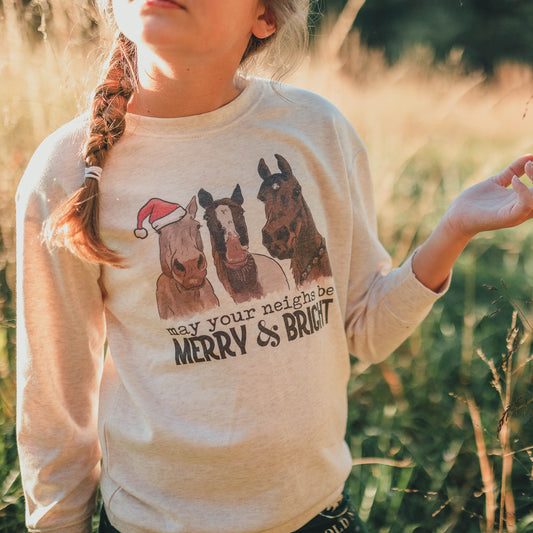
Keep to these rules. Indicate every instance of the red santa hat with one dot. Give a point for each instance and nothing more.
(159, 214)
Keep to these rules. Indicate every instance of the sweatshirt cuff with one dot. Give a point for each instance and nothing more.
(409, 300)
(79, 527)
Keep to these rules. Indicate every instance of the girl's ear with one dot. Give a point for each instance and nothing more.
(265, 24)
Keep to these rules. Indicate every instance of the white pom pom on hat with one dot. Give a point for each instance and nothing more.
(140, 233)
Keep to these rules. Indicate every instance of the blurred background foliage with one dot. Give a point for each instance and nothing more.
(486, 32)
(441, 93)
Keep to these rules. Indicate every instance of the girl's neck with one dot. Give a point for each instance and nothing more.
(170, 89)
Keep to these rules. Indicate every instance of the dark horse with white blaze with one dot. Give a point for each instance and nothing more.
(244, 275)
(290, 232)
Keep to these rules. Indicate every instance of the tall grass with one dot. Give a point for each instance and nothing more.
(429, 453)
(45, 65)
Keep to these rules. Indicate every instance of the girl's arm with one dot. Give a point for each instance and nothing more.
(60, 336)
(385, 306)
(502, 201)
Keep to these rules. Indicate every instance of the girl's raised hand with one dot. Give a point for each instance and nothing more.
(501, 201)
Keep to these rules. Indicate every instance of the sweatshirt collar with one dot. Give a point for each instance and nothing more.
(199, 124)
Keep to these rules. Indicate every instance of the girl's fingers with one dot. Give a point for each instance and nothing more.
(524, 194)
(516, 168)
(529, 170)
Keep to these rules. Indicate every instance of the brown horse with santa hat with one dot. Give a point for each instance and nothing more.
(183, 288)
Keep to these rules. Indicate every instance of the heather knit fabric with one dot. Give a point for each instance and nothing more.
(253, 270)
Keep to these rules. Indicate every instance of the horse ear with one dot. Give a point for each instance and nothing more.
(263, 170)
(284, 166)
(236, 196)
(192, 207)
(206, 199)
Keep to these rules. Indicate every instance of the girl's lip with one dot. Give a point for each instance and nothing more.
(166, 4)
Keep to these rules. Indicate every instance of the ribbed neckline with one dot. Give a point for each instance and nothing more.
(198, 124)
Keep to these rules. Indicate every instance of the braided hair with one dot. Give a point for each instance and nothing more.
(75, 224)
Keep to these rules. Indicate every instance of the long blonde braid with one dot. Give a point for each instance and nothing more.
(75, 224)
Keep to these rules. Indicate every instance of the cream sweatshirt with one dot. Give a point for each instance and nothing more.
(253, 270)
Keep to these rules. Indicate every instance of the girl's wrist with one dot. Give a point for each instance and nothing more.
(452, 232)
(435, 258)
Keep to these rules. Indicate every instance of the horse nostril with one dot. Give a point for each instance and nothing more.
(201, 261)
(178, 266)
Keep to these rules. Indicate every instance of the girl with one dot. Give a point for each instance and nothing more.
(218, 232)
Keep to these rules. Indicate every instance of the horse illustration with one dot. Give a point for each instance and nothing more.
(183, 288)
(244, 275)
(290, 232)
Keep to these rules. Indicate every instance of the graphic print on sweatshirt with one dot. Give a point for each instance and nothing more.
(244, 275)
(182, 288)
(289, 233)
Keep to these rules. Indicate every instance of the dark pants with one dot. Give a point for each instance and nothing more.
(341, 518)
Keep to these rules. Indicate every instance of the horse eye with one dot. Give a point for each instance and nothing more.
(296, 192)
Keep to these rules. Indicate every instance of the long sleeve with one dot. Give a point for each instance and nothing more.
(384, 305)
(60, 336)
(235, 404)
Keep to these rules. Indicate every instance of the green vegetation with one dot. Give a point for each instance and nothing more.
(442, 432)
(487, 32)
